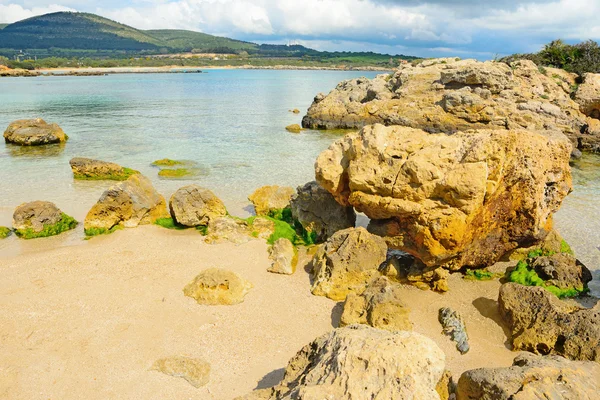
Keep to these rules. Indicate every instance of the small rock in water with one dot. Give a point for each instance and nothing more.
(454, 326)
(33, 132)
(194, 370)
(294, 128)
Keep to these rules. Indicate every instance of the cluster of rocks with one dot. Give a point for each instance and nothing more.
(450, 95)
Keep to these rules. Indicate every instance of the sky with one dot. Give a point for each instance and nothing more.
(479, 29)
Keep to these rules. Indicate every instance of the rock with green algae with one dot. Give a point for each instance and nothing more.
(4, 232)
(33, 132)
(40, 219)
(167, 162)
(178, 173)
(271, 198)
(90, 169)
(294, 128)
(194, 370)
(216, 286)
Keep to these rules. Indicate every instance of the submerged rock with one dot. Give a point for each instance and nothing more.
(453, 201)
(543, 324)
(532, 377)
(128, 204)
(89, 169)
(284, 257)
(194, 205)
(33, 132)
(319, 213)
(218, 287)
(194, 370)
(271, 198)
(450, 95)
(454, 326)
(360, 362)
(346, 263)
(40, 219)
(380, 305)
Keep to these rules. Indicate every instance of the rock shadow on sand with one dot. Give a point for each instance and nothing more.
(489, 309)
(271, 379)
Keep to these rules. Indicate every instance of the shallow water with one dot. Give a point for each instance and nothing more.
(230, 122)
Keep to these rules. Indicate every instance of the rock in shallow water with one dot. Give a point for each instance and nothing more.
(459, 200)
(89, 169)
(532, 377)
(360, 362)
(218, 287)
(33, 132)
(194, 370)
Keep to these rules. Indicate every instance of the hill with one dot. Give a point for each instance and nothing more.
(2, 26)
(199, 42)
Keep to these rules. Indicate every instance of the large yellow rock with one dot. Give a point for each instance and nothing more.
(459, 200)
(268, 198)
(33, 132)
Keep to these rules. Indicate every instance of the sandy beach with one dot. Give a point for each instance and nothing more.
(89, 321)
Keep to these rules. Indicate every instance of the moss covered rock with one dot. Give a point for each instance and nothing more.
(40, 219)
(4, 232)
(89, 169)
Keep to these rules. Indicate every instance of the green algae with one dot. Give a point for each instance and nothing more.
(176, 173)
(481, 275)
(203, 229)
(66, 223)
(91, 232)
(122, 176)
(167, 162)
(169, 223)
(525, 275)
(5, 232)
(286, 226)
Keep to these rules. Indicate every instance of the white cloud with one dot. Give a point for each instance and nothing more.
(13, 12)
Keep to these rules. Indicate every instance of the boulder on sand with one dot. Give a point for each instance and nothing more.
(318, 212)
(218, 287)
(532, 377)
(459, 200)
(89, 169)
(360, 362)
(346, 263)
(194, 205)
(284, 257)
(33, 132)
(40, 219)
(271, 198)
(128, 204)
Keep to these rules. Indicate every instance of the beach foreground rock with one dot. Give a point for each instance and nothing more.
(284, 257)
(319, 213)
(128, 204)
(218, 287)
(89, 169)
(459, 200)
(346, 263)
(541, 323)
(271, 198)
(40, 219)
(451, 95)
(194, 370)
(194, 205)
(360, 362)
(532, 377)
(33, 132)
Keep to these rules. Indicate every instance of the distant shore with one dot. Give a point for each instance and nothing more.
(90, 71)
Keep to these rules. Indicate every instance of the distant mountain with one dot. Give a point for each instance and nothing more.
(197, 41)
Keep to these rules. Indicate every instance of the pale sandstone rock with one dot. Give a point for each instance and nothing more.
(269, 198)
(588, 95)
(194, 205)
(227, 229)
(218, 287)
(459, 200)
(33, 132)
(284, 257)
(87, 168)
(194, 370)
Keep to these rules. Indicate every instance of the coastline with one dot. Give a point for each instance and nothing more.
(91, 71)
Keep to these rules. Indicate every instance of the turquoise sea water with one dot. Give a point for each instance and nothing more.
(230, 122)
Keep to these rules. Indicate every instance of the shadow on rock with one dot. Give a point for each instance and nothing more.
(489, 309)
(336, 314)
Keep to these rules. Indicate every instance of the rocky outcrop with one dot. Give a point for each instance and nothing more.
(455, 95)
(194, 370)
(283, 256)
(128, 204)
(346, 263)
(194, 205)
(271, 198)
(319, 213)
(532, 377)
(89, 169)
(380, 305)
(541, 323)
(588, 95)
(563, 271)
(33, 132)
(218, 287)
(454, 326)
(459, 200)
(40, 219)
(227, 229)
(360, 362)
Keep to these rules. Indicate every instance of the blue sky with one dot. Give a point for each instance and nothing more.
(426, 28)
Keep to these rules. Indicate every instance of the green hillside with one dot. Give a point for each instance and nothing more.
(2, 26)
(198, 42)
(69, 30)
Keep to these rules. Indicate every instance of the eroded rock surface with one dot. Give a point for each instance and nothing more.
(218, 287)
(450, 95)
(283, 256)
(459, 200)
(128, 204)
(563, 271)
(319, 213)
(543, 324)
(532, 377)
(227, 229)
(360, 362)
(194, 205)
(194, 370)
(33, 132)
(346, 263)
